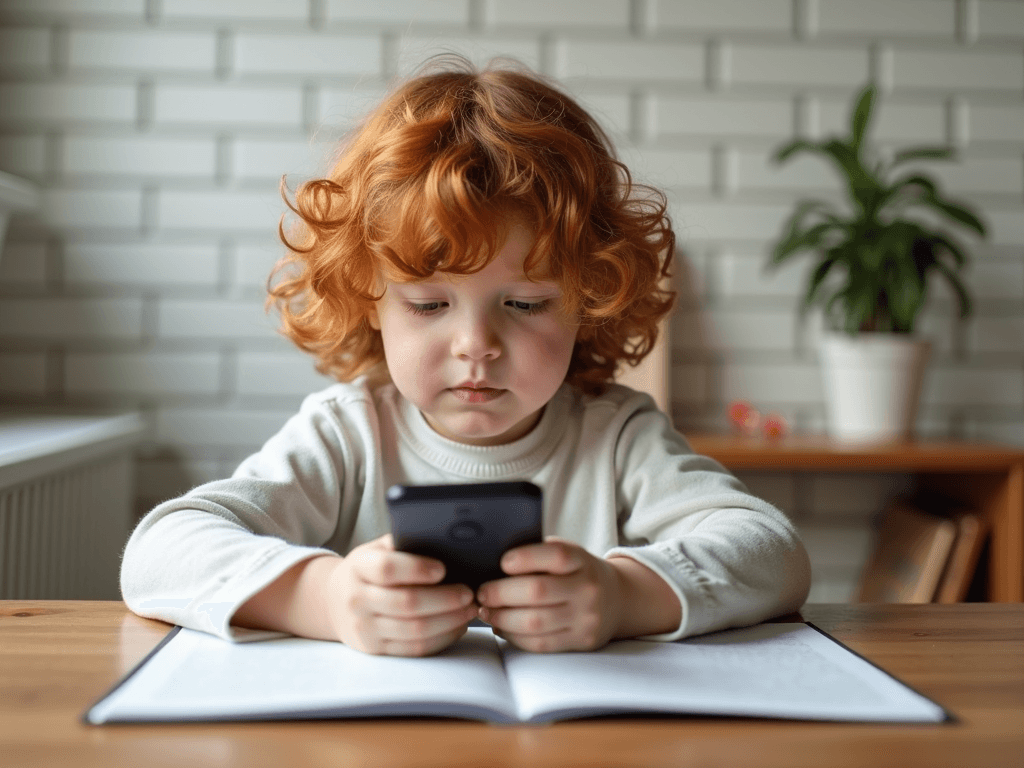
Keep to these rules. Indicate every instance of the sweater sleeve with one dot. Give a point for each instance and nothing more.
(731, 558)
(196, 559)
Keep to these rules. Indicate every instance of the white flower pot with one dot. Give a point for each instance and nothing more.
(872, 385)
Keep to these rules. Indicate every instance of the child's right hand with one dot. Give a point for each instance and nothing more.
(386, 602)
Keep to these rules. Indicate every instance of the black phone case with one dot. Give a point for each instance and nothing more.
(467, 527)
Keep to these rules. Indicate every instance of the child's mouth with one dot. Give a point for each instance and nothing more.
(477, 395)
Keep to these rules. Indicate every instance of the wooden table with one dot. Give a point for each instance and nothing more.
(57, 658)
(983, 477)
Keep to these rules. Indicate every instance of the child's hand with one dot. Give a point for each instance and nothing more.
(558, 597)
(389, 603)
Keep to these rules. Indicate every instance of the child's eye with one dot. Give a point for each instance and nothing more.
(529, 308)
(427, 308)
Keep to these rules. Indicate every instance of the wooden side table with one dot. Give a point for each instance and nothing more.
(987, 478)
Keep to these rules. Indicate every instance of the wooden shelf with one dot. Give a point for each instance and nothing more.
(984, 477)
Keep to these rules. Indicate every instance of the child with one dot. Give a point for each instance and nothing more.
(473, 272)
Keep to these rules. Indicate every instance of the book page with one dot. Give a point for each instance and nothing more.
(197, 676)
(769, 670)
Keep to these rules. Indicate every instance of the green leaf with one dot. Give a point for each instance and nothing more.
(963, 297)
(959, 213)
(922, 153)
(861, 117)
(952, 247)
(800, 145)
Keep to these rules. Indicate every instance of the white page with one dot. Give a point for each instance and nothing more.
(769, 670)
(199, 676)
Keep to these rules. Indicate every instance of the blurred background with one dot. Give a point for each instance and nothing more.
(158, 132)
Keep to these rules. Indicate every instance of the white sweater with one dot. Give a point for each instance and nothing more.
(616, 476)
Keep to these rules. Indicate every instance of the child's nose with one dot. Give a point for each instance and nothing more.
(476, 339)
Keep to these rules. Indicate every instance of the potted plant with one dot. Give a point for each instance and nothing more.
(872, 264)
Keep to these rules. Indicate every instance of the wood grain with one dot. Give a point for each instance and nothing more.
(57, 658)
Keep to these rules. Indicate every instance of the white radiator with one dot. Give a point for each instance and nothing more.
(66, 489)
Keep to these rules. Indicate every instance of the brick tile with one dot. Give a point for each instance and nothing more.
(219, 426)
(756, 170)
(141, 264)
(23, 373)
(161, 479)
(689, 384)
(71, 319)
(670, 168)
(269, 159)
(330, 55)
(153, 373)
(414, 50)
(997, 280)
(996, 123)
(612, 111)
(780, 65)
(244, 106)
(607, 14)
(1005, 227)
(761, 16)
(631, 61)
(59, 103)
(91, 208)
(77, 8)
(140, 157)
(404, 12)
(240, 10)
(932, 18)
(723, 116)
(253, 264)
(772, 384)
(972, 175)
(163, 51)
(343, 107)
(220, 210)
(213, 319)
(947, 385)
(948, 69)
(734, 329)
(891, 121)
(23, 263)
(699, 222)
(997, 334)
(278, 374)
(24, 48)
(23, 155)
(1000, 19)
(1008, 431)
(746, 274)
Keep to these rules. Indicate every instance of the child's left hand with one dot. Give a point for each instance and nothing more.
(558, 597)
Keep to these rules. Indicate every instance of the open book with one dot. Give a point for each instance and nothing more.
(769, 670)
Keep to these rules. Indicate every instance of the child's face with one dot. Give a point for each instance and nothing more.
(479, 355)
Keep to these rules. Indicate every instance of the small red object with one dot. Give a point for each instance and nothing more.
(775, 426)
(745, 418)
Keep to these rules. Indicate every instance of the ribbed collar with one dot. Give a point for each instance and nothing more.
(482, 462)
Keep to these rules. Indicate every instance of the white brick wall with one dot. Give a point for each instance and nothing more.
(159, 131)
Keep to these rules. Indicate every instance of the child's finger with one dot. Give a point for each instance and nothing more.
(376, 565)
(531, 590)
(413, 602)
(423, 627)
(420, 646)
(552, 556)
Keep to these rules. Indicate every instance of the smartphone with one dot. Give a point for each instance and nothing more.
(467, 527)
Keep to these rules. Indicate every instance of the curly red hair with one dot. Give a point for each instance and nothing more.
(429, 183)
